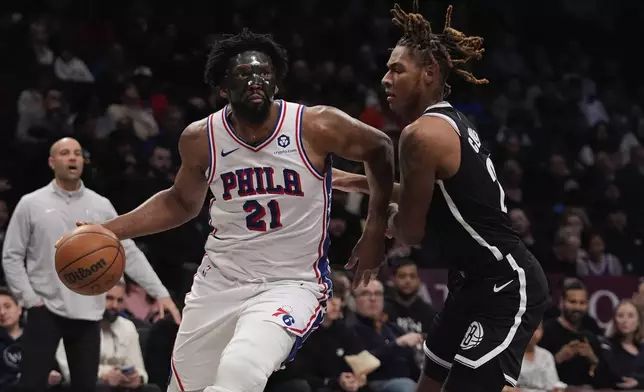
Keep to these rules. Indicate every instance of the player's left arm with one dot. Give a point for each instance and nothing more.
(422, 150)
(337, 132)
(353, 182)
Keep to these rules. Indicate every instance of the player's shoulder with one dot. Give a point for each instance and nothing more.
(327, 120)
(324, 112)
(195, 135)
(196, 128)
(428, 131)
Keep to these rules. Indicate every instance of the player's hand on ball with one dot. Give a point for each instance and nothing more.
(68, 234)
(368, 254)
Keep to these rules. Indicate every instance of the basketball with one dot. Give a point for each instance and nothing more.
(90, 260)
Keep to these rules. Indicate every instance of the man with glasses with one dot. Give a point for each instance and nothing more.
(398, 370)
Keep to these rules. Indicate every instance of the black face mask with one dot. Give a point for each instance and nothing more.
(110, 315)
(250, 73)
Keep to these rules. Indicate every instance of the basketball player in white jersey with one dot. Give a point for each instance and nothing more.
(263, 284)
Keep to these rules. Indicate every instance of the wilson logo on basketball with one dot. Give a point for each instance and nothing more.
(82, 273)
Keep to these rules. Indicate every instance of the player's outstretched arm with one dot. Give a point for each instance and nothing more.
(424, 147)
(352, 182)
(180, 203)
(332, 131)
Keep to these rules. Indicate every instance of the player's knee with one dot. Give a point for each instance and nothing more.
(242, 371)
(250, 358)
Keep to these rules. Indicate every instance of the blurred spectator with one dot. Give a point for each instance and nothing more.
(538, 371)
(633, 138)
(565, 252)
(631, 181)
(39, 43)
(10, 348)
(511, 177)
(398, 371)
(404, 307)
(596, 261)
(70, 68)
(52, 122)
(601, 140)
(575, 221)
(130, 113)
(574, 347)
(625, 356)
(523, 226)
(638, 297)
(624, 241)
(121, 361)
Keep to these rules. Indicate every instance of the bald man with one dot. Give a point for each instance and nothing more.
(55, 312)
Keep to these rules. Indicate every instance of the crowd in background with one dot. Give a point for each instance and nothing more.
(563, 116)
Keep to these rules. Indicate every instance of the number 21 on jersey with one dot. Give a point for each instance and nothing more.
(475, 142)
(256, 213)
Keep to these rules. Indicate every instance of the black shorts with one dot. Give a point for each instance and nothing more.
(476, 343)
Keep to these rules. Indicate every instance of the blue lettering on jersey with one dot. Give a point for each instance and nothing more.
(261, 181)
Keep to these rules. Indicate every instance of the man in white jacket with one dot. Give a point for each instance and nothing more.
(121, 361)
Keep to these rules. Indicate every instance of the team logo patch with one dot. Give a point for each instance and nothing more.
(283, 141)
(473, 336)
(284, 313)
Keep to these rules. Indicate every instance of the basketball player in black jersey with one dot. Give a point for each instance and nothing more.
(450, 194)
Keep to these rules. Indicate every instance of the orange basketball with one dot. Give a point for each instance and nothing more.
(90, 260)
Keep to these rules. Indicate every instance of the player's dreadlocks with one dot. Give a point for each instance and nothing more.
(451, 49)
(231, 45)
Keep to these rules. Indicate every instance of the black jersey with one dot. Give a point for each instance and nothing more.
(467, 220)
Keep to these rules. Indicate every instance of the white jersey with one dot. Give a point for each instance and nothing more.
(270, 210)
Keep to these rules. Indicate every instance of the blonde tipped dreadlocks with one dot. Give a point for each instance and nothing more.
(451, 49)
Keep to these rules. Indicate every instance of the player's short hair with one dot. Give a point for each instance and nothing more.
(451, 49)
(231, 45)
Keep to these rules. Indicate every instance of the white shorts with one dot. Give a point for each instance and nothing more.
(218, 309)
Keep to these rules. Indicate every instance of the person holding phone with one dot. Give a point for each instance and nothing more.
(121, 363)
